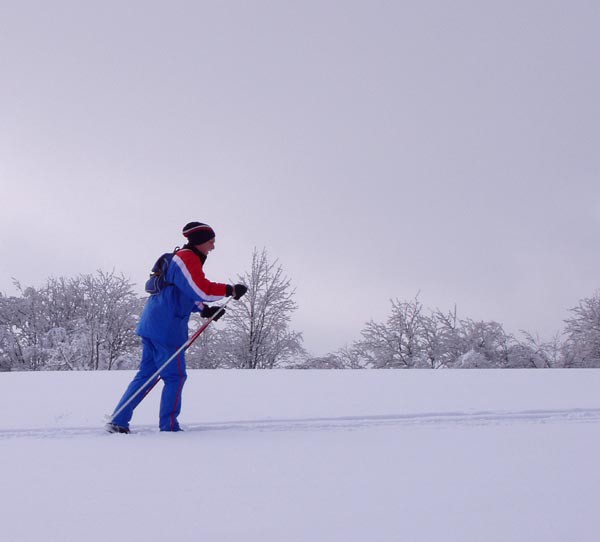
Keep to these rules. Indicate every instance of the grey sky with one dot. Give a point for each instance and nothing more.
(378, 149)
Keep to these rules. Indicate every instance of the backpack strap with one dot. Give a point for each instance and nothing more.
(175, 251)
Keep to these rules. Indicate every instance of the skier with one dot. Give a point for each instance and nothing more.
(163, 327)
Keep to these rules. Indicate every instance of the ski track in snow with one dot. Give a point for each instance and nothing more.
(347, 423)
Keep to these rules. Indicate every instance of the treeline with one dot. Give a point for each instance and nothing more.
(82, 323)
(413, 337)
(88, 323)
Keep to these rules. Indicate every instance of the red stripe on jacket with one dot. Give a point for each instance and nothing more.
(196, 273)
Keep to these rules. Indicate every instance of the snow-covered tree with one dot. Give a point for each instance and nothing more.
(87, 322)
(582, 346)
(207, 350)
(257, 333)
(330, 361)
(398, 342)
(488, 339)
(110, 316)
(534, 353)
(410, 338)
(24, 325)
(413, 337)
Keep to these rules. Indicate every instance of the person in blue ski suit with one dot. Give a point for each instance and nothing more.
(163, 327)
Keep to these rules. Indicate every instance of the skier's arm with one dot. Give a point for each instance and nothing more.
(189, 277)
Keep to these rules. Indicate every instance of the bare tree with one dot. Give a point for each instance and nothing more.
(412, 337)
(399, 342)
(110, 311)
(207, 351)
(538, 354)
(582, 346)
(330, 361)
(441, 339)
(351, 357)
(257, 333)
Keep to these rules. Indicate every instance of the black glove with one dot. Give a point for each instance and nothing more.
(239, 290)
(209, 312)
(236, 291)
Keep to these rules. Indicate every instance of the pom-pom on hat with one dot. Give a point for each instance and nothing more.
(198, 233)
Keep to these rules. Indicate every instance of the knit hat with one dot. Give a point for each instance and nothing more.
(198, 233)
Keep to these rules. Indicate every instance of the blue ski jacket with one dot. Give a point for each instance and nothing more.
(166, 314)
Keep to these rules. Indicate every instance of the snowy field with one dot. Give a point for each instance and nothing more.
(455, 455)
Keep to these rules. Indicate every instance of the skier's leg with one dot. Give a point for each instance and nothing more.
(146, 370)
(174, 376)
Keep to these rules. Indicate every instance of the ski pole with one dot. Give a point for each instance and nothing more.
(182, 348)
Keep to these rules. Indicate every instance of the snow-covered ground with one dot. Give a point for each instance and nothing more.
(455, 455)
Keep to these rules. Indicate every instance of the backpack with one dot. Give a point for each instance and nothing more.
(158, 277)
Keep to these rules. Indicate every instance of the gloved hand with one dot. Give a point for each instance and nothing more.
(209, 312)
(239, 290)
(236, 291)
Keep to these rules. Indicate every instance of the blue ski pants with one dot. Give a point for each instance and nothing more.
(173, 375)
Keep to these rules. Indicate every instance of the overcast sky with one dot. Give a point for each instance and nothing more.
(377, 149)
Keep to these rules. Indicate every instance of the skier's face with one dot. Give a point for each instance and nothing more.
(205, 248)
